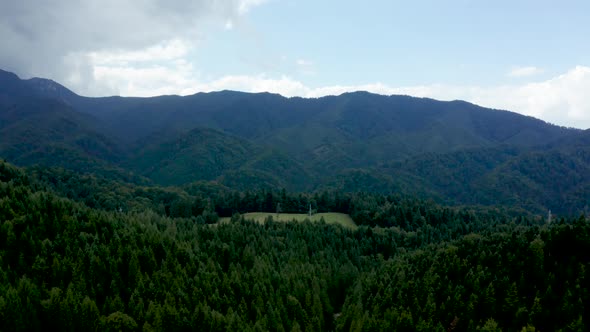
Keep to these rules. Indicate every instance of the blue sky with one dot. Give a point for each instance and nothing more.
(530, 57)
(404, 42)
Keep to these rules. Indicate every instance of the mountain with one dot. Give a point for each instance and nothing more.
(37, 126)
(401, 124)
(454, 152)
(354, 129)
(11, 86)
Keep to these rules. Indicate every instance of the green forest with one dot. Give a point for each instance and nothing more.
(91, 253)
(451, 152)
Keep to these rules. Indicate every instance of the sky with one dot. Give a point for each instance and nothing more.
(530, 57)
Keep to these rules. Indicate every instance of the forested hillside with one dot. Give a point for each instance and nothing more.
(453, 152)
(84, 252)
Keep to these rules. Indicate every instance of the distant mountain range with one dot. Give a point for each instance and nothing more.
(454, 152)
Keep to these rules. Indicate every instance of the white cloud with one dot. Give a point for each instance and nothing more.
(303, 62)
(155, 70)
(150, 80)
(305, 66)
(63, 39)
(164, 51)
(518, 72)
(246, 5)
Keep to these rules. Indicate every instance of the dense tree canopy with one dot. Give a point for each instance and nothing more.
(83, 253)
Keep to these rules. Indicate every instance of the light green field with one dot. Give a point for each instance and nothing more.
(329, 217)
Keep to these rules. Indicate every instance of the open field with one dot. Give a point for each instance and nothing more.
(329, 217)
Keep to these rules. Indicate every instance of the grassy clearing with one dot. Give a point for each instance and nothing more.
(329, 217)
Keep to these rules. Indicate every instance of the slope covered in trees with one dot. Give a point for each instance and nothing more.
(537, 180)
(80, 264)
(453, 152)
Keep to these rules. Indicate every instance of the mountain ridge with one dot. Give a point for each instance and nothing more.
(354, 141)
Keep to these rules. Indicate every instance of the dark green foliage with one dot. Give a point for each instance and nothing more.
(454, 152)
(206, 154)
(424, 267)
(537, 181)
